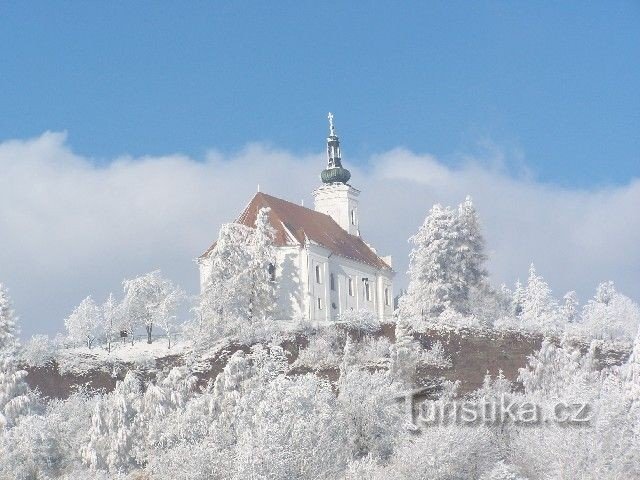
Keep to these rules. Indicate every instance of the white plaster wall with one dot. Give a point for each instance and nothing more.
(337, 201)
(298, 291)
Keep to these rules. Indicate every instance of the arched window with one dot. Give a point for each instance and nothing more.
(353, 216)
(318, 274)
(387, 299)
(332, 281)
(350, 287)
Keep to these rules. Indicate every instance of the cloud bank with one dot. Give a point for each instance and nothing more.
(70, 227)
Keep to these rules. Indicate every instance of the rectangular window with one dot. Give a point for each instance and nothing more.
(350, 287)
(318, 274)
(367, 291)
(332, 281)
(319, 303)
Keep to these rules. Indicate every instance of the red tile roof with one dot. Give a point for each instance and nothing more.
(294, 224)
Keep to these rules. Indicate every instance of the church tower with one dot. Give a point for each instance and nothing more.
(335, 197)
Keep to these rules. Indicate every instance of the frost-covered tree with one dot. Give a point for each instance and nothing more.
(434, 284)
(241, 289)
(150, 299)
(632, 372)
(8, 326)
(113, 429)
(404, 356)
(83, 325)
(470, 254)
(605, 292)
(111, 316)
(15, 398)
(225, 299)
(373, 418)
(446, 264)
(569, 308)
(262, 267)
(361, 321)
(288, 429)
(538, 305)
(518, 299)
(610, 315)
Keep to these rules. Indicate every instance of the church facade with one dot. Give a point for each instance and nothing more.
(323, 266)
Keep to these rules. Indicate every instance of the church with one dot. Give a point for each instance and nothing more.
(323, 266)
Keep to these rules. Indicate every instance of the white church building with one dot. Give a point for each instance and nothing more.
(323, 266)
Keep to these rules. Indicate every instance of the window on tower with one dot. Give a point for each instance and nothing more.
(318, 274)
(350, 287)
(332, 281)
(353, 217)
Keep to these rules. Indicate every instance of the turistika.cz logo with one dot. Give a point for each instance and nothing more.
(492, 411)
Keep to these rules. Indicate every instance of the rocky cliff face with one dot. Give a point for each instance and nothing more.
(473, 353)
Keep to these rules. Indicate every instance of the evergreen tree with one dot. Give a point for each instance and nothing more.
(570, 306)
(434, 282)
(518, 299)
(446, 265)
(470, 255)
(15, 398)
(8, 327)
(538, 306)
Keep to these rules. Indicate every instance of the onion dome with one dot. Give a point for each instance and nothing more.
(334, 173)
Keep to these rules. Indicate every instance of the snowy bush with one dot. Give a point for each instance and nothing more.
(371, 350)
(323, 350)
(39, 351)
(435, 356)
(362, 321)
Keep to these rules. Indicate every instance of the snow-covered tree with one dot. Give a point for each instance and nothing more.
(150, 299)
(373, 418)
(610, 315)
(605, 292)
(166, 317)
(241, 289)
(446, 264)
(518, 299)
(362, 321)
(226, 297)
(538, 305)
(262, 267)
(15, 399)
(111, 320)
(569, 308)
(470, 254)
(8, 327)
(288, 429)
(114, 428)
(434, 284)
(404, 356)
(83, 325)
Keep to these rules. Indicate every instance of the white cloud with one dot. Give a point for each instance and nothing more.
(69, 228)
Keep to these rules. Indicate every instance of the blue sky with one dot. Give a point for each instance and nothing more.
(556, 85)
